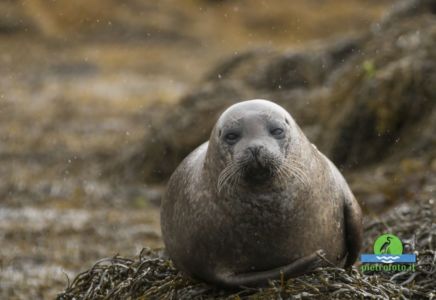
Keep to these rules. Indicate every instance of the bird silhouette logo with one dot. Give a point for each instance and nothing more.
(385, 248)
(388, 244)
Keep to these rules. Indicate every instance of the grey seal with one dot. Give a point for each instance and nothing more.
(258, 201)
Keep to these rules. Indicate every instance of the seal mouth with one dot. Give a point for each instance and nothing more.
(258, 166)
(258, 175)
(250, 170)
(258, 170)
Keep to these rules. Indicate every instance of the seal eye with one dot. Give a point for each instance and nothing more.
(231, 137)
(277, 132)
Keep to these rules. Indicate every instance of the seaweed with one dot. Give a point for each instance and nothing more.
(151, 276)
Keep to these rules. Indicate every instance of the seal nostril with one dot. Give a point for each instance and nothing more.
(254, 150)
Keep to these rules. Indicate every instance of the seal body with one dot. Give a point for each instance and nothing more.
(257, 200)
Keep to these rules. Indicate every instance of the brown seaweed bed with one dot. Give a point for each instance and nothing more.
(150, 276)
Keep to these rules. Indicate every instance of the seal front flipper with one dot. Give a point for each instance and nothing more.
(353, 229)
(254, 279)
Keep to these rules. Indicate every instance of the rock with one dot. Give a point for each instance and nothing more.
(12, 18)
(408, 9)
(304, 69)
(372, 114)
(175, 131)
(359, 99)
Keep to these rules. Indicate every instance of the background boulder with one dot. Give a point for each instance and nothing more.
(373, 94)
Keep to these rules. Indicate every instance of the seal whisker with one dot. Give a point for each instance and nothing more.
(301, 169)
(225, 180)
(281, 176)
(297, 169)
(224, 175)
(294, 160)
(229, 177)
(297, 166)
(297, 173)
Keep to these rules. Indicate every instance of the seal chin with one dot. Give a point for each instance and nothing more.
(258, 167)
(258, 174)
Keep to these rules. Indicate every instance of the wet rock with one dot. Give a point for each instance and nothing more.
(383, 101)
(176, 130)
(306, 69)
(408, 9)
(284, 78)
(374, 95)
(12, 18)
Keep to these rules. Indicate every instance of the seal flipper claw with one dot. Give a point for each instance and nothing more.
(253, 279)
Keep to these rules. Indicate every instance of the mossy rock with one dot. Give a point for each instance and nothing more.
(359, 100)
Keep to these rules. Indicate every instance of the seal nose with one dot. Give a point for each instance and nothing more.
(255, 150)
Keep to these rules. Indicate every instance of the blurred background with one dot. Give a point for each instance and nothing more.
(100, 100)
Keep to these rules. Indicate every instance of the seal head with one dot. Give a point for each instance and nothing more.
(253, 140)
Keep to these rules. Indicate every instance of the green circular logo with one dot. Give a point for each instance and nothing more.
(388, 244)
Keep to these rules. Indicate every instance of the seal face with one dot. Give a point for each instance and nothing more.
(254, 148)
(257, 200)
